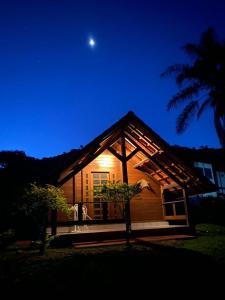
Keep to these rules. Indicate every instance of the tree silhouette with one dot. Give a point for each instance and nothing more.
(201, 83)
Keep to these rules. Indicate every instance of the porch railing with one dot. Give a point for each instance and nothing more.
(94, 212)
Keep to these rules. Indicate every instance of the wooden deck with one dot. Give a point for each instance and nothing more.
(95, 233)
(90, 228)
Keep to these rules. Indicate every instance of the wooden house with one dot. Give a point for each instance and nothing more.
(130, 151)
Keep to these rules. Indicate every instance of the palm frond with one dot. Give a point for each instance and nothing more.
(219, 122)
(191, 49)
(183, 95)
(186, 74)
(185, 117)
(172, 70)
(208, 38)
(203, 107)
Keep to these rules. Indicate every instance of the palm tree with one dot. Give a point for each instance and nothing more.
(201, 83)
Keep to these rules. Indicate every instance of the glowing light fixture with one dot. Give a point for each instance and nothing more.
(105, 161)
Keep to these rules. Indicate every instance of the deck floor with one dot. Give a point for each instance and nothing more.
(112, 227)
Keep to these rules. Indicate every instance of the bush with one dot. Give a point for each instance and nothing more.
(207, 210)
(7, 238)
(61, 241)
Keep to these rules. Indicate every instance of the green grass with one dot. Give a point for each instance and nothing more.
(210, 241)
(116, 269)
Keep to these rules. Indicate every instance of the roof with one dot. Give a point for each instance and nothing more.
(213, 156)
(160, 161)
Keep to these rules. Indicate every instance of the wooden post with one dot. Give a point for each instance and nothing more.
(125, 180)
(105, 211)
(54, 222)
(80, 212)
(124, 160)
(82, 186)
(186, 205)
(74, 189)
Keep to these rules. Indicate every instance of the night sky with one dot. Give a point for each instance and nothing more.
(57, 92)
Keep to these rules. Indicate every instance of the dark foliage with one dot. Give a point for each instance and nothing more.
(216, 157)
(201, 83)
(207, 210)
(17, 171)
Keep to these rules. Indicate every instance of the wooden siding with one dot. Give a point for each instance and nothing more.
(147, 206)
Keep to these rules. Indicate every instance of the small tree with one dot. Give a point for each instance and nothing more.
(37, 201)
(121, 193)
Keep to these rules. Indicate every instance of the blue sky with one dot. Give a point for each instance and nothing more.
(57, 93)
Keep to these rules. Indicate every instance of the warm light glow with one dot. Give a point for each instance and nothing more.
(105, 161)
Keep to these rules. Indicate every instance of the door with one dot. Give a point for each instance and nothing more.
(99, 179)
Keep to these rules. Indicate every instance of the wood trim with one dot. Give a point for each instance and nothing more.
(140, 164)
(155, 162)
(90, 158)
(117, 155)
(132, 154)
(180, 217)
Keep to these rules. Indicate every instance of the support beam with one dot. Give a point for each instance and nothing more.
(132, 154)
(54, 222)
(115, 153)
(125, 180)
(186, 205)
(89, 159)
(74, 196)
(140, 164)
(124, 160)
(82, 186)
(158, 164)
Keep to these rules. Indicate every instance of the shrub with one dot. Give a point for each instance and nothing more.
(7, 238)
(208, 210)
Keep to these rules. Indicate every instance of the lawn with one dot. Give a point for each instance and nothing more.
(116, 270)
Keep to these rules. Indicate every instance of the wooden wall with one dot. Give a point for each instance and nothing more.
(146, 206)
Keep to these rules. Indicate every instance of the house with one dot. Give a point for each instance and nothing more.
(130, 151)
(209, 162)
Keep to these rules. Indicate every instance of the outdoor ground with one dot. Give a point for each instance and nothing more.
(162, 267)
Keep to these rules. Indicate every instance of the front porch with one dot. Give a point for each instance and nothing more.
(120, 227)
(98, 233)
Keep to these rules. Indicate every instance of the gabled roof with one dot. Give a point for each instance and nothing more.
(160, 162)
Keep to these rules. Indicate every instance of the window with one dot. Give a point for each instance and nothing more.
(201, 170)
(205, 169)
(221, 181)
(208, 173)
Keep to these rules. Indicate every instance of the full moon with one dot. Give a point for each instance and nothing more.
(91, 42)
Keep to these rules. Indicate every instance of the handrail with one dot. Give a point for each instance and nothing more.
(86, 202)
(173, 201)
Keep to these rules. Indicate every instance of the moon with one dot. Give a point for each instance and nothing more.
(91, 42)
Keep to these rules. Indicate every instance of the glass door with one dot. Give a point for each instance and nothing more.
(99, 179)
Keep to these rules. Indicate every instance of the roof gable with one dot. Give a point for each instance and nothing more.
(157, 157)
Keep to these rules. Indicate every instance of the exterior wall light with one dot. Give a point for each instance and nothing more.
(105, 161)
